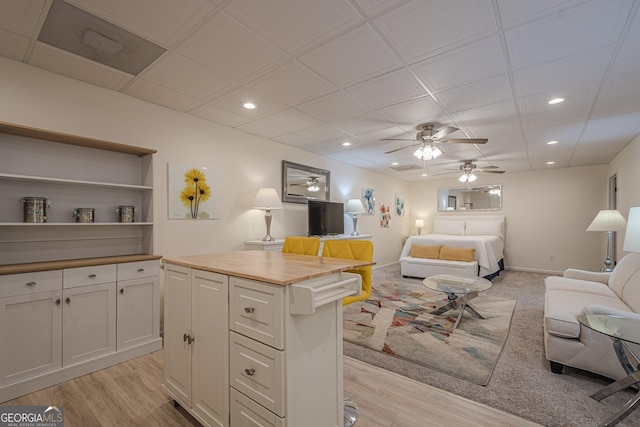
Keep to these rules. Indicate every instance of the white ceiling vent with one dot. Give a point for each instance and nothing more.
(402, 168)
(72, 29)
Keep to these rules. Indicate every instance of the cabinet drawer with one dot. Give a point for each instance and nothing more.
(246, 412)
(134, 270)
(257, 371)
(82, 276)
(257, 311)
(30, 283)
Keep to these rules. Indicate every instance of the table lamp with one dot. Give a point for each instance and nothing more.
(632, 236)
(267, 199)
(419, 225)
(354, 207)
(609, 221)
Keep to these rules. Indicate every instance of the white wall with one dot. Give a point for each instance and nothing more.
(547, 214)
(40, 99)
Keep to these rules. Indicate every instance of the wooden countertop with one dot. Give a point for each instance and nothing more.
(72, 263)
(271, 267)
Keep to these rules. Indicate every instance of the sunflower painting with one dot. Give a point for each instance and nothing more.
(196, 197)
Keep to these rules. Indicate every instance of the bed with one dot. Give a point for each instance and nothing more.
(483, 233)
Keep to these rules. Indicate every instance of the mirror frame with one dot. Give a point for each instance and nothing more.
(287, 178)
(444, 200)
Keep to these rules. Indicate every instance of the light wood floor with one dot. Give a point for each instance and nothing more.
(131, 394)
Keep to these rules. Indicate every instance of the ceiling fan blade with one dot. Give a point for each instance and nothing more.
(485, 171)
(398, 139)
(443, 131)
(464, 141)
(401, 148)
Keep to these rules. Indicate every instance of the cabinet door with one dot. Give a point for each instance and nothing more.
(89, 322)
(177, 326)
(30, 335)
(210, 348)
(138, 310)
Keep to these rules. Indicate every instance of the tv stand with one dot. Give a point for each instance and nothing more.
(276, 245)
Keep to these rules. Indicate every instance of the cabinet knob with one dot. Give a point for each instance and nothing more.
(31, 283)
(184, 337)
(250, 371)
(122, 290)
(58, 301)
(249, 309)
(68, 300)
(92, 276)
(141, 270)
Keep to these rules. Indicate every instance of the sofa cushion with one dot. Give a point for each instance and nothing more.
(562, 307)
(420, 251)
(456, 254)
(555, 283)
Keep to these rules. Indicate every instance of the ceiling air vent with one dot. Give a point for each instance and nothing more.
(403, 168)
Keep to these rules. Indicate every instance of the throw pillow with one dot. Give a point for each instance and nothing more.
(419, 251)
(456, 254)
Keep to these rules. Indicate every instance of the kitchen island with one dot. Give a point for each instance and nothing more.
(255, 338)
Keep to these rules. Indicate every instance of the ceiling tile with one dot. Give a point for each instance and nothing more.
(262, 130)
(489, 91)
(420, 29)
(182, 75)
(171, 19)
(161, 96)
(68, 64)
(619, 95)
(513, 12)
(411, 111)
(332, 107)
(351, 58)
(290, 120)
(293, 139)
(323, 133)
(292, 84)
(295, 24)
(388, 89)
(595, 24)
(373, 8)
(218, 115)
(20, 17)
(233, 102)
(13, 46)
(363, 123)
(249, 56)
(463, 65)
(627, 59)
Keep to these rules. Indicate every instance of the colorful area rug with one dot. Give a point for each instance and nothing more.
(396, 321)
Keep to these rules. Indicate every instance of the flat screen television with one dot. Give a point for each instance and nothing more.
(325, 218)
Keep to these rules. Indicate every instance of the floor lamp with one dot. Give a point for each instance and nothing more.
(609, 221)
(267, 199)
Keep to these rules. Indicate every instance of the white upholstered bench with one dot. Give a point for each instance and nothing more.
(426, 267)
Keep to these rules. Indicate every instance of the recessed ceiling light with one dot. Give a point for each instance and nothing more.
(551, 163)
(556, 101)
(346, 144)
(424, 174)
(249, 105)
(395, 164)
(552, 142)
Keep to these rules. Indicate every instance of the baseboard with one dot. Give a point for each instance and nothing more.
(534, 270)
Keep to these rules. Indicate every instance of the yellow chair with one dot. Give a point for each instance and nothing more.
(301, 245)
(353, 249)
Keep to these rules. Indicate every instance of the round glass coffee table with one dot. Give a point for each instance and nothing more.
(621, 330)
(459, 290)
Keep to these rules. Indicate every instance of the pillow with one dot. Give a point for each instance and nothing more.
(492, 227)
(456, 254)
(419, 251)
(448, 226)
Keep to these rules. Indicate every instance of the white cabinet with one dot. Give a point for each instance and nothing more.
(196, 342)
(72, 172)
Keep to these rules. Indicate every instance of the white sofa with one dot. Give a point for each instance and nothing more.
(566, 341)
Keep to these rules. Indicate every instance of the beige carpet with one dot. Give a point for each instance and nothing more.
(396, 320)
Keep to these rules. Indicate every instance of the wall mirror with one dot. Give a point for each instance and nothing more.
(301, 183)
(472, 198)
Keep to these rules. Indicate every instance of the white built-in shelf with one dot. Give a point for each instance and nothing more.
(45, 179)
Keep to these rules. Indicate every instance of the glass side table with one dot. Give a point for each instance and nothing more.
(621, 330)
(459, 290)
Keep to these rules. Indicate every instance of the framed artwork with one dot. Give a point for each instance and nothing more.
(385, 215)
(193, 192)
(399, 204)
(368, 201)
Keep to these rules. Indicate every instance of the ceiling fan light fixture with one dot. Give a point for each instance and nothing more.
(427, 152)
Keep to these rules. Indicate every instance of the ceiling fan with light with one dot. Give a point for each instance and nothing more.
(468, 169)
(312, 184)
(428, 136)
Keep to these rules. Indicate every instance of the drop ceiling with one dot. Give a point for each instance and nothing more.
(324, 73)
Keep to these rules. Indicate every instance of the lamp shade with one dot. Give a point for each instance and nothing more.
(608, 220)
(267, 198)
(354, 206)
(419, 223)
(632, 237)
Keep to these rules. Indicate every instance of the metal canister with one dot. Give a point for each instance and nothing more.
(126, 213)
(35, 208)
(84, 214)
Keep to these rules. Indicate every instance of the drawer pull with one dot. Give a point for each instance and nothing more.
(58, 301)
(188, 339)
(68, 300)
(250, 372)
(92, 276)
(141, 270)
(249, 309)
(121, 290)
(31, 283)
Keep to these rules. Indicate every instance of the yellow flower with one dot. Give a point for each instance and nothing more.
(187, 196)
(194, 175)
(204, 191)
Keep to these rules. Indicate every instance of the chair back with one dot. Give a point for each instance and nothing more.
(301, 245)
(361, 250)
